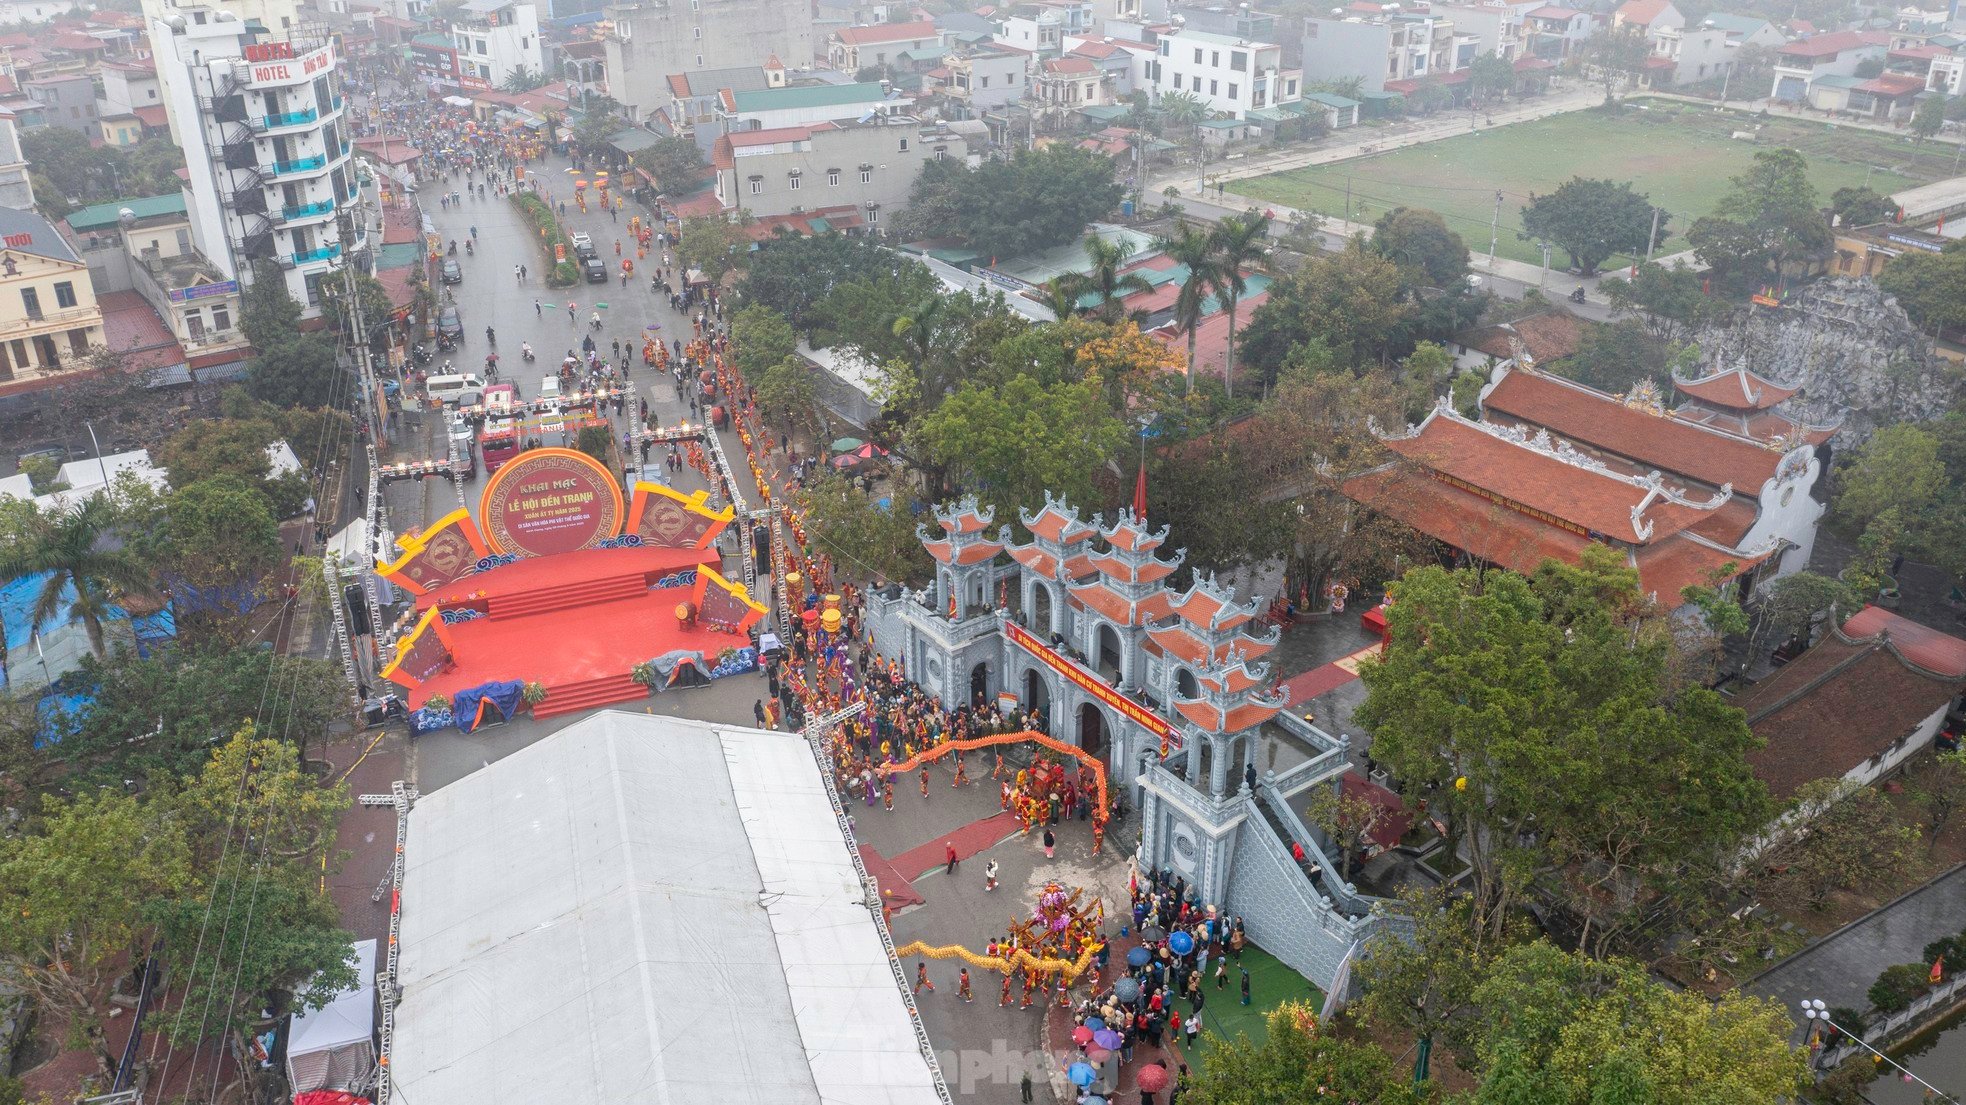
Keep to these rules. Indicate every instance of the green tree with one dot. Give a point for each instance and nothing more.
(1938, 788)
(1592, 1031)
(259, 827)
(1860, 206)
(790, 386)
(1591, 220)
(1931, 287)
(297, 373)
(1428, 254)
(1350, 300)
(675, 162)
(1490, 77)
(522, 79)
(268, 313)
(760, 338)
(847, 524)
(76, 891)
(1671, 299)
(1191, 248)
(1033, 201)
(1548, 703)
(1618, 53)
(1013, 443)
(221, 531)
(710, 245)
(1426, 985)
(791, 274)
(1239, 243)
(1897, 469)
(1105, 280)
(1298, 1061)
(375, 305)
(1613, 356)
(1769, 217)
(75, 548)
(1838, 837)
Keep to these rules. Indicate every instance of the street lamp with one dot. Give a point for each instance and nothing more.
(1817, 1014)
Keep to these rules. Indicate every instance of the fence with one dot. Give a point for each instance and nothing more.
(1940, 999)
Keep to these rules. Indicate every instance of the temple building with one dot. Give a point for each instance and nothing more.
(1723, 488)
(1080, 629)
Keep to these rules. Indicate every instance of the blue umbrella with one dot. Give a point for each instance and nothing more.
(1182, 943)
(1127, 990)
(1107, 1039)
(1138, 957)
(1095, 1023)
(1095, 1099)
(1081, 1074)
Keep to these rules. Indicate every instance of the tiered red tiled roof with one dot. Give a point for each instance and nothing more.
(1737, 390)
(965, 520)
(959, 556)
(1518, 477)
(1248, 715)
(1119, 609)
(1606, 422)
(1130, 571)
(1182, 644)
(1131, 534)
(1061, 525)
(1046, 564)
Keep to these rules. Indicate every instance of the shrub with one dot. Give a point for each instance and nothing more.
(1950, 948)
(539, 215)
(1897, 987)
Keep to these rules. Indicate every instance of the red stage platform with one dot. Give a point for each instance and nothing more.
(576, 622)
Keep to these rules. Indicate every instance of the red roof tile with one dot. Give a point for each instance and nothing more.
(131, 327)
(1117, 609)
(887, 32)
(1053, 524)
(1665, 568)
(1739, 390)
(1939, 653)
(1605, 422)
(1831, 44)
(969, 554)
(1488, 530)
(1641, 12)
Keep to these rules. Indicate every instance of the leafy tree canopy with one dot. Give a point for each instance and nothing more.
(1418, 241)
(1591, 220)
(1036, 200)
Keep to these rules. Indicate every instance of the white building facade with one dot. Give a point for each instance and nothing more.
(260, 119)
(1230, 75)
(496, 40)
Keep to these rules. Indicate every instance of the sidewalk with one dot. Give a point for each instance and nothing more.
(1840, 967)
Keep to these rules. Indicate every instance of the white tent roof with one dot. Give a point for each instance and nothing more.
(348, 1019)
(645, 909)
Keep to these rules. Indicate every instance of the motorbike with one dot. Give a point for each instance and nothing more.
(419, 355)
(525, 352)
(1577, 296)
(470, 248)
(595, 322)
(453, 249)
(491, 336)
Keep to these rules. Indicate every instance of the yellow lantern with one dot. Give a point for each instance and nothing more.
(1461, 783)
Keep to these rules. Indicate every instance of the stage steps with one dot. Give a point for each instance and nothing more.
(588, 694)
(546, 600)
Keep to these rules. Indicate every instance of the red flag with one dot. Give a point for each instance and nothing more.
(1140, 496)
(1938, 970)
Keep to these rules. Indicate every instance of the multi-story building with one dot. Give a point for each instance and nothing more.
(1698, 54)
(1495, 27)
(649, 40)
(16, 186)
(495, 40)
(147, 246)
(796, 105)
(131, 103)
(1378, 48)
(696, 99)
(1069, 83)
(1555, 33)
(259, 116)
(1801, 63)
(1122, 63)
(988, 76)
(67, 101)
(1230, 75)
(868, 168)
(1040, 26)
(49, 320)
(1649, 16)
(851, 49)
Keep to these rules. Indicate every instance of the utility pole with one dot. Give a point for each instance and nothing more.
(1494, 231)
(1348, 198)
(1652, 236)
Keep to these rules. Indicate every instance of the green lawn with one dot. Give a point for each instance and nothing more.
(1270, 985)
(1680, 155)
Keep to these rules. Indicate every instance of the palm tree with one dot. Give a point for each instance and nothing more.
(81, 559)
(1104, 279)
(1238, 241)
(920, 329)
(1061, 294)
(1195, 249)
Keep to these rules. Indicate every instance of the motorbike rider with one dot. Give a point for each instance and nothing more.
(491, 336)
(525, 350)
(453, 251)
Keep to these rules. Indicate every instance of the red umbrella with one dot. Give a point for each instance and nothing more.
(1153, 1078)
(1081, 1035)
(869, 451)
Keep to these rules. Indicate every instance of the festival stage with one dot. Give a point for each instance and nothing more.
(576, 622)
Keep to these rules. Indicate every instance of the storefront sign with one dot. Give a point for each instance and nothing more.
(304, 66)
(223, 287)
(549, 501)
(1078, 677)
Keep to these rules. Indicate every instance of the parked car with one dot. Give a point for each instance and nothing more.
(594, 270)
(583, 247)
(453, 274)
(450, 325)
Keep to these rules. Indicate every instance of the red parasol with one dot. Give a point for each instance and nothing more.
(1153, 1078)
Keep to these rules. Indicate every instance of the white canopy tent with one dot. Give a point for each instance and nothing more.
(333, 1048)
(645, 909)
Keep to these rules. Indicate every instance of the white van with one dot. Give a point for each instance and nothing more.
(447, 389)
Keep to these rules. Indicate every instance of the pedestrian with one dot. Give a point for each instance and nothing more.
(1193, 1030)
(949, 857)
(1221, 974)
(1005, 1000)
(921, 978)
(1024, 1086)
(990, 875)
(1245, 984)
(924, 782)
(887, 795)
(1049, 843)
(962, 985)
(758, 711)
(517, 276)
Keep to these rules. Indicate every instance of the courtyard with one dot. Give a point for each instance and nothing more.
(1682, 155)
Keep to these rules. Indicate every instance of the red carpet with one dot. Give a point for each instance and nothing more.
(1318, 681)
(896, 890)
(577, 623)
(977, 836)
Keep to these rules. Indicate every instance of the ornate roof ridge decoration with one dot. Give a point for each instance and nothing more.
(1656, 490)
(1645, 396)
(966, 507)
(1112, 556)
(1072, 530)
(1143, 540)
(1751, 382)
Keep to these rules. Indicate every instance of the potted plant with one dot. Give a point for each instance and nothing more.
(645, 674)
(437, 702)
(533, 693)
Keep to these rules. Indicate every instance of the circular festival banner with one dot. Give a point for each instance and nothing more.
(548, 501)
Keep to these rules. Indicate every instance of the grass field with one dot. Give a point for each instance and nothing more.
(1679, 154)
(1270, 985)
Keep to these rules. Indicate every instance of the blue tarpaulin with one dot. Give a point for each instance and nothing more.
(486, 704)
